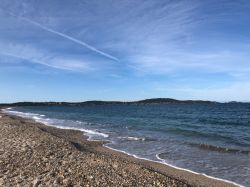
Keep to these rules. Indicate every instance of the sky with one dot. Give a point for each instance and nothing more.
(78, 50)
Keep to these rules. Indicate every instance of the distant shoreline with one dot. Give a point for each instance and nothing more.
(100, 102)
(176, 174)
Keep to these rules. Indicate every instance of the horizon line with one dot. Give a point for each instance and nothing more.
(123, 101)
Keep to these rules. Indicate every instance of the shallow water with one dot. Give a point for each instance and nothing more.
(207, 138)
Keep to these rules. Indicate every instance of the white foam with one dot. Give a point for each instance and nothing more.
(20, 114)
(162, 161)
(219, 179)
(36, 118)
(51, 122)
(135, 138)
(89, 132)
(0, 116)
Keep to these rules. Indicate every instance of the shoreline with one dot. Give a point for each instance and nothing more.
(182, 175)
(173, 166)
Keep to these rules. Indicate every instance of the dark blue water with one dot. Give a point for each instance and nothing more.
(207, 138)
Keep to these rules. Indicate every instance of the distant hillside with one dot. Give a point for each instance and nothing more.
(146, 101)
(61, 103)
(171, 101)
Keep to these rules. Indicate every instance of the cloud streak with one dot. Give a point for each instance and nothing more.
(61, 67)
(32, 55)
(191, 45)
(84, 44)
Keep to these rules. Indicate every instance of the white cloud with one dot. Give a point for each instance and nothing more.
(33, 55)
(149, 37)
(174, 60)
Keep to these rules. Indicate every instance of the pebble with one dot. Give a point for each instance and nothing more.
(36, 182)
(51, 159)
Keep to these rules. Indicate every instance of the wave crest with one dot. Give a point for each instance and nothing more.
(134, 138)
(220, 149)
(54, 122)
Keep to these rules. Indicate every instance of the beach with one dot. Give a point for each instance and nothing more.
(34, 154)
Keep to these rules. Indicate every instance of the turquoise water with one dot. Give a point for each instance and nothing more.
(207, 138)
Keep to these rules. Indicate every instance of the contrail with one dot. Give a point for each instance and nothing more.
(68, 37)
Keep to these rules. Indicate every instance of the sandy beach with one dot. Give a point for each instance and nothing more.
(32, 154)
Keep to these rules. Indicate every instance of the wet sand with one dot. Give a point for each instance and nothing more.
(32, 154)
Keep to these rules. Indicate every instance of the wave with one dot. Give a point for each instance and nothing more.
(203, 134)
(134, 138)
(89, 132)
(162, 161)
(158, 156)
(21, 114)
(162, 156)
(220, 149)
(54, 122)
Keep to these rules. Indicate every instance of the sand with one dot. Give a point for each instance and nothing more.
(32, 154)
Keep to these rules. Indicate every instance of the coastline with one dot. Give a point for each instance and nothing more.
(172, 166)
(173, 175)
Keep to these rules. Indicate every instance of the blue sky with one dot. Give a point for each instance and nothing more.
(77, 50)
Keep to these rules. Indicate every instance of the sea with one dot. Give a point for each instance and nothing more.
(212, 139)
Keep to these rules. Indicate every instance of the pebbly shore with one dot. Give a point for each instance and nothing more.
(32, 154)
